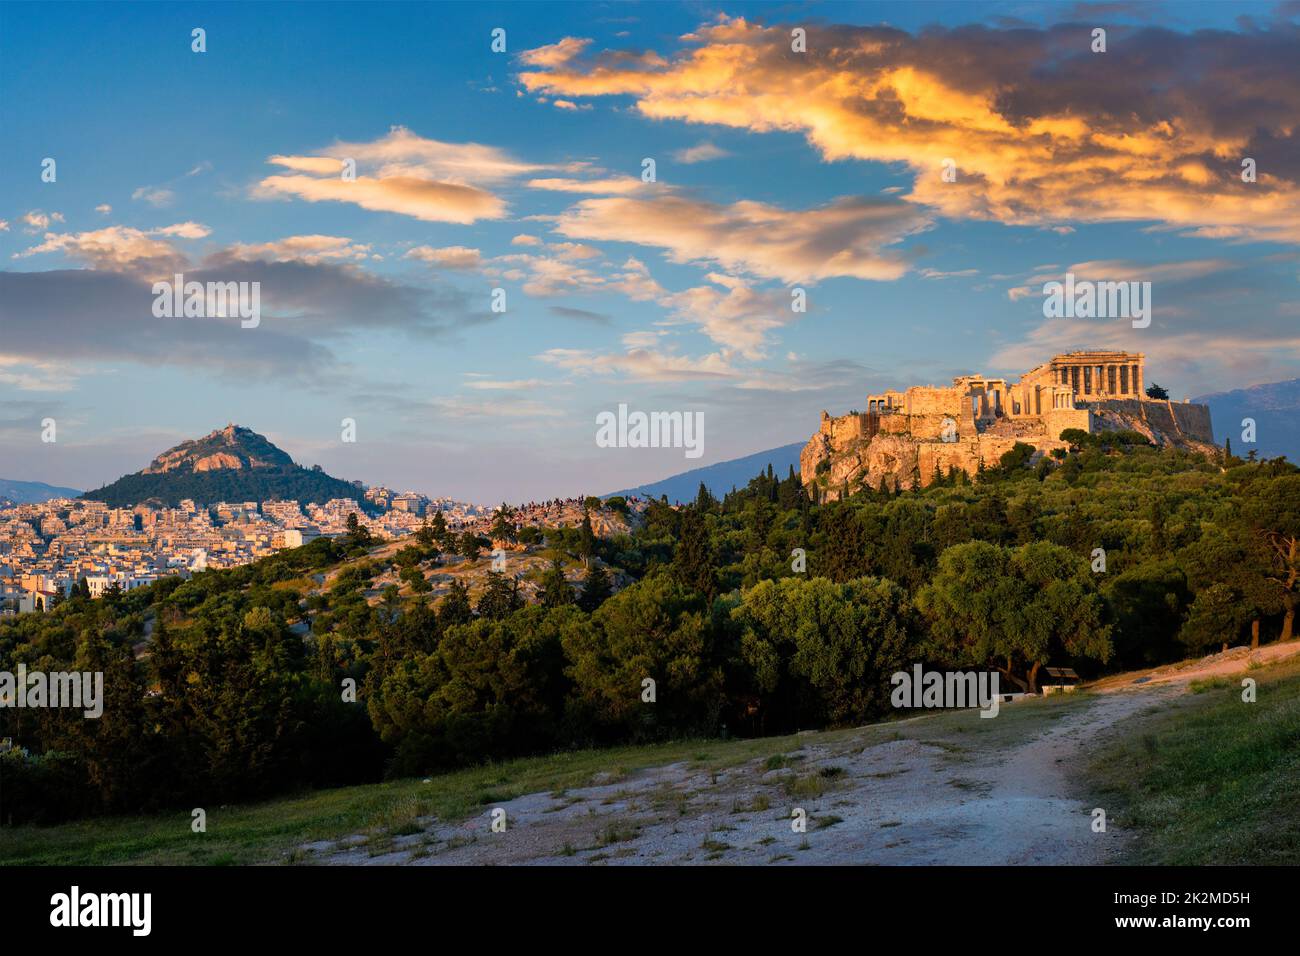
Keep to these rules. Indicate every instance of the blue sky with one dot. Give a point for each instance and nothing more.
(521, 170)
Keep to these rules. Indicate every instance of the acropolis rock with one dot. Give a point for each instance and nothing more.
(905, 439)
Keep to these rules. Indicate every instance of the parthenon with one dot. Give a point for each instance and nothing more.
(926, 430)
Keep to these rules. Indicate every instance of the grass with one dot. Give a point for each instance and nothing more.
(275, 831)
(1211, 779)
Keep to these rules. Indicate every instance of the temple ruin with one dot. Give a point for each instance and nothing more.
(909, 437)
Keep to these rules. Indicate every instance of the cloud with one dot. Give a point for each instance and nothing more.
(449, 257)
(310, 303)
(582, 315)
(149, 252)
(312, 249)
(732, 314)
(642, 364)
(512, 385)
(555, 54)
(156, 196)
(37, 221)
(409, 196)
(613, 186)
(701, 153)
(104, 209)
(1042, 131)
(847, 237)
(404, 173)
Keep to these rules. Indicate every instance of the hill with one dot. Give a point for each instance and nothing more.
(719, 478)
(33, 492)
(230, 464)
(1274, 407)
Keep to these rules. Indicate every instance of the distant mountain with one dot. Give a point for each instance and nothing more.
(230, 464)
(30, 492)
(722, 477)
(1274, 407)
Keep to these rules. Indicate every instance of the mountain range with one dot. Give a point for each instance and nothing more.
(719, 478)
(1275, 408)
(33, 492)
(230, 464)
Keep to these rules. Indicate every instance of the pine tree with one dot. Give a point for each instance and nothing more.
(586, 538)
(596, 588)
(500, 598)
(503, 525)
(454, 608)
(704, 499)
(469, 545)
(693, 557)
(556, 591)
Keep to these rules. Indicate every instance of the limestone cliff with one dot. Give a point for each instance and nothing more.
(910, 438)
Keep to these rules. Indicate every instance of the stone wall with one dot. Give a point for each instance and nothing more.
(906, 443)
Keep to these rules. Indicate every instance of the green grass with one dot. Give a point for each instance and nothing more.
(1211, 779)
(272, 832)
(275, 831)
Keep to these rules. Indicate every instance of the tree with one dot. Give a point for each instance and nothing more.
(815, 652)
(503, 524)
(441, 533)
(1014, 609)
(556, 591)
(425, 537)
(693, 557)
(586, 537)
(358, 534)
(1215, 617)
(657, 630)
(1273, 509)
(469, 545)
(704, 499)
(596, 588)
(455, 607)
(500, 598)
(1156, 392)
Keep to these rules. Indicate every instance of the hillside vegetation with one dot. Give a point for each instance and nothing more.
(760, 614)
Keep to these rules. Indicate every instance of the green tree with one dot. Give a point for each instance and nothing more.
(817, 652)
(455, 607)
(1014, 609)
(556, 591)
(503, 524)
(693, 561)
(596, 587)
(500, 598)
(469, 545)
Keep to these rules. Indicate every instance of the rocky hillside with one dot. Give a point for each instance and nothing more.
(230, 464)
(847, 451)
(232, 447)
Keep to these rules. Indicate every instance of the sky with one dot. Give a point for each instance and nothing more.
(524, 170)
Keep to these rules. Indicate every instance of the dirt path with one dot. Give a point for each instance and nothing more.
(940, 791)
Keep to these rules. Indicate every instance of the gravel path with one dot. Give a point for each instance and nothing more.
(965, 798)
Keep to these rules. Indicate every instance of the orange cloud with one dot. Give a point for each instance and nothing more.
(1041, 130)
